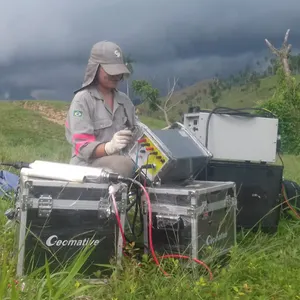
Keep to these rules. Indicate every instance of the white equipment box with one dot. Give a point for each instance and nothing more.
(235, 137)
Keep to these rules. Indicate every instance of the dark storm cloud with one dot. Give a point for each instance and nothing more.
(45, 45)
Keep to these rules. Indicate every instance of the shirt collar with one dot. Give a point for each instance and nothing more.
(98, 95)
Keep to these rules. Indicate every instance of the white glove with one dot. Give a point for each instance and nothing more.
(119, 141)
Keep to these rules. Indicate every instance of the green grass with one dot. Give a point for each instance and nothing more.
(153, 123)
(31, 136)
(260, 267)
(26, 135)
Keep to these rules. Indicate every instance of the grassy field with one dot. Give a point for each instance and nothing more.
(31, 136)
(234, 98)
(260, 267)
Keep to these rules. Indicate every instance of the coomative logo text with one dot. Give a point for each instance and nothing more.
(53, 240)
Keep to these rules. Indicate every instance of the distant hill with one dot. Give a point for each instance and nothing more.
(233, 95)
(198, 94)
(56, 111)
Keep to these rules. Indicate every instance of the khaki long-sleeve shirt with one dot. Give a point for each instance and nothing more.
(90, 122)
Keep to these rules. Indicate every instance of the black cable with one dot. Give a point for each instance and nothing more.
(138, 209)
(141, 207)
(129, 207)
(258, 109)
(127, 210)
(227, 110)
(232, 111)
(17, 165)
(147, 163)
(224, 109)
(279, 155)
(134, 218)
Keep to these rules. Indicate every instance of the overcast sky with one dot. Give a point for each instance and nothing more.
(45, 44)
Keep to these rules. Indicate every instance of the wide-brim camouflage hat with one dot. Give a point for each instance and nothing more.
(107, 54)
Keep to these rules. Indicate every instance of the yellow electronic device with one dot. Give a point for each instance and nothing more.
(167, 155)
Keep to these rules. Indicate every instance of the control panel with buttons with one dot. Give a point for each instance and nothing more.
(148, 156)
(161, 156)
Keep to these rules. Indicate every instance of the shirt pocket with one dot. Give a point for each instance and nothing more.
(101, 126)
(124, 120)
(120, 123)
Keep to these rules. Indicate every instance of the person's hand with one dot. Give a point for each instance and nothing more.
(119, 141)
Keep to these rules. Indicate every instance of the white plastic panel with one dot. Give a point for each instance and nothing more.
(236, 138)
(59, 171)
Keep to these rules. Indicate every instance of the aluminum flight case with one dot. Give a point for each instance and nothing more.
(198, 220)
(58, 219)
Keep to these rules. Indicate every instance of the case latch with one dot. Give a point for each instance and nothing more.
(167, 222)
(230, 201)
(45, 205)
(104, 208)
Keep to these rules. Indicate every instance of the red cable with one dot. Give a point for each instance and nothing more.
(150, 237)
(194, 259)
(169, 255)
(288, 203)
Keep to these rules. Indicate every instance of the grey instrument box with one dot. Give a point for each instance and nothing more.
(179, 154)
(235, 137)
(58, 218)
(198, 220)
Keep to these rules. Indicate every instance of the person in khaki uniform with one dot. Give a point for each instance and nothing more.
(100, 117)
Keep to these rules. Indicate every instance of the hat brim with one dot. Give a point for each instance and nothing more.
(115, 69)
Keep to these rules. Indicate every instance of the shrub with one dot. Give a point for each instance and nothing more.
(285, 104)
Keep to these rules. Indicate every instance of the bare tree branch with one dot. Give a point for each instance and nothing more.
(170, 92)
(169, 96)
(160, 107)
(150, 94)
(175, 104)
(283, 53)
(286, 37)
(272, 48)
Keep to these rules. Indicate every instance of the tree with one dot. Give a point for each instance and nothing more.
(285, 102)
(149, 94)
(215, 90)
(283, 53)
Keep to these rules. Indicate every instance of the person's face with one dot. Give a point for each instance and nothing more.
(108, 81)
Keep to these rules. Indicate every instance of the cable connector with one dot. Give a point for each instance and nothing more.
(113, 188)
(153, 153)
(105, 176)
(148, 166)
(17, 165)
(142, 141)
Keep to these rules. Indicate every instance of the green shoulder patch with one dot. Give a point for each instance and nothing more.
(77, 113)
